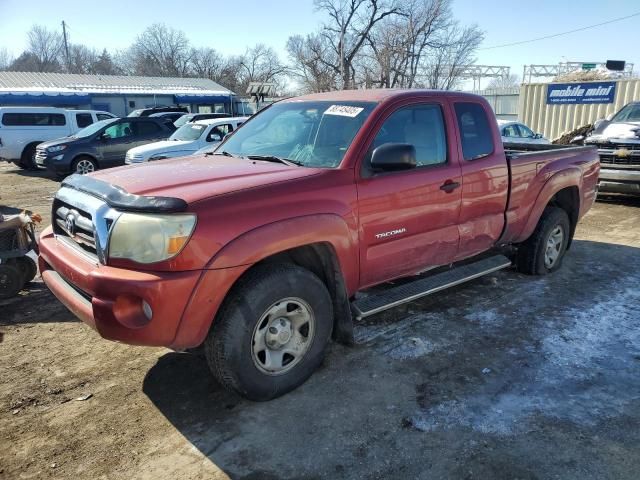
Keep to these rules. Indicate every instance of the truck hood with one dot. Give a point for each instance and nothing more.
(617, 130)
(195, 178)
(164, 146)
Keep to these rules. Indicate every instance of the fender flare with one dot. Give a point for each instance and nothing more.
(570, 177)
(267, 240)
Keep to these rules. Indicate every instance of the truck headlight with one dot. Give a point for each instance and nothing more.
(57, 148)
(146, 238)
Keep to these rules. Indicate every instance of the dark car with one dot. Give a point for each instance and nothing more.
(145, 112)
(195, 117)
(100, 145)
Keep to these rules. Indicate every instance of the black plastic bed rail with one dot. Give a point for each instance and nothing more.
(119, 198)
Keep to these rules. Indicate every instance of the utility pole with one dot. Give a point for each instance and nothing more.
(66, 44)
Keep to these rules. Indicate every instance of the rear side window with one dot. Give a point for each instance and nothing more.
(103, 116)
(83, 119)
(475, 131)
(147, 128)
(33, 119)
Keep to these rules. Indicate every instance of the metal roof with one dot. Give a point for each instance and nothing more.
(68, 83)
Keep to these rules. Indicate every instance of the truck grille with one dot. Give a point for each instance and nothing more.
(620, 155)
(74, 225)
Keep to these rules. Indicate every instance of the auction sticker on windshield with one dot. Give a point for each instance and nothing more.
(343, 110)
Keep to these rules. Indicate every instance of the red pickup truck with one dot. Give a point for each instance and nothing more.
(266, 249)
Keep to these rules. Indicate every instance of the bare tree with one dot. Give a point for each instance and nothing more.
(398, 45)
(510, 81)
(6, 59)
(261, 64)
(206, 63)
(349, 24)
(161, 51)
(456, 52)
(81, 59)
(312, 63)
(45, 48)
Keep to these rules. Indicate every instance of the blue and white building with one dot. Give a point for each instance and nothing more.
(117, 94)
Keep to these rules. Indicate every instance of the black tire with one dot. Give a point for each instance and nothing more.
(10, 280)
(27, 160)
(28, 268)
(82, 160)
(229, 348)
(530, 258)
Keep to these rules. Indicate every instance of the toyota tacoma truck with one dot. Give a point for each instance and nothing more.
(262, 252)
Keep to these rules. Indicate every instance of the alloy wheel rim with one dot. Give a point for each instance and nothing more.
(554, 246)
(84, 167)
(283, 336)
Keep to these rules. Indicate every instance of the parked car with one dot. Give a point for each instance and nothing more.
(146, 112)
(170, 117)
(264, 251)
(195, 117)
(516, 132)
(186, 140)
(23, 128)
(101, 145)
(618, 142)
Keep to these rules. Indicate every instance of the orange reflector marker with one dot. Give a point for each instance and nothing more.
(176, 244)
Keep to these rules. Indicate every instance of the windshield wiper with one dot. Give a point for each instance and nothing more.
(224, 152)
(273, 158)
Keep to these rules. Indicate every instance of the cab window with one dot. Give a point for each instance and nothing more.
(475, 130)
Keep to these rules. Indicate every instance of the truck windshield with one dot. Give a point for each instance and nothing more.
(312, 134)
(188, 132)
(93, 128)
(630, 113)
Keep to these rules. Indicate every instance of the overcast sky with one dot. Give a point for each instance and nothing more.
(230, 26)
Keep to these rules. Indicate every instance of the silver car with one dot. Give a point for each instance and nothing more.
(516, 132)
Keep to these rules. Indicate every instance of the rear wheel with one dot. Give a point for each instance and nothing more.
(272, 332)
(83, 165)
(10, 280)
(543, 252)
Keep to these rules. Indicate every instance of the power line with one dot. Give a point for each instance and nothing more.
(560, 34)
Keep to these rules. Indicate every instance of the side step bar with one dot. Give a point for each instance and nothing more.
(394, 296)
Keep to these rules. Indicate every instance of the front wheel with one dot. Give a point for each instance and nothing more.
(272, 332)
(84, 165)
(543, 252)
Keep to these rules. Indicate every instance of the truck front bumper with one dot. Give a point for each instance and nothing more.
(619, 181)
(169, 309)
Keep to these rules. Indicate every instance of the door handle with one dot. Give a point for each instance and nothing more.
(449, 186)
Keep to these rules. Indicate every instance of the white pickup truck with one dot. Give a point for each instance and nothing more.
(186, 140)
(23, 128)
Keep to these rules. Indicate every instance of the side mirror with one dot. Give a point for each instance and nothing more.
(394, 156)
(537, 135)
(215, 138)
(103, 137)
(603, 122)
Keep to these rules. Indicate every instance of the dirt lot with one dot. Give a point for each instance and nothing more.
(506, 377)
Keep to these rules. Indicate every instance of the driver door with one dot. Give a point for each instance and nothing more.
(114, 142)
(409, 218)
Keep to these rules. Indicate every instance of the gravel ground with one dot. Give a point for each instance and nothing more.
(505, 377)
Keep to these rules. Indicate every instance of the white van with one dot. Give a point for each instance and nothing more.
(22, 128)
(186, 140)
